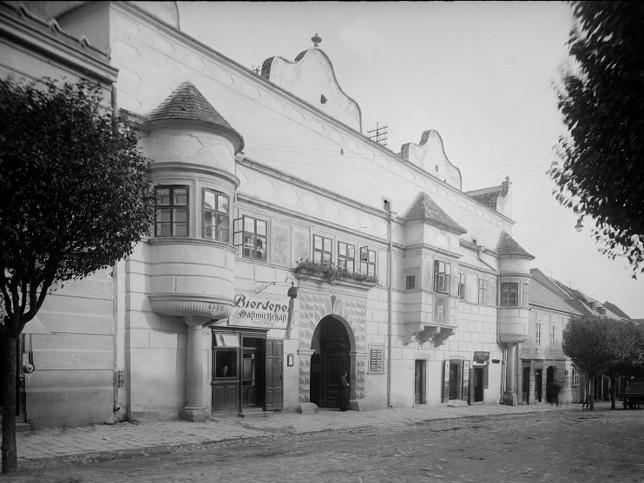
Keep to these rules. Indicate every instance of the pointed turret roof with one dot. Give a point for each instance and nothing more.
(424, 208)
(187, 104)
(509, 248)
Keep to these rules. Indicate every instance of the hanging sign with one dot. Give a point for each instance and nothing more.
(259, 311)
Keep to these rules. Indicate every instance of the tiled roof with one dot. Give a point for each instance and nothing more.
(543, 292)
(508, 247)
(426, 209)
(186, 103)
(616, 310)
(489, 196)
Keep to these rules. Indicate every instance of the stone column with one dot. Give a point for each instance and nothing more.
(510, 394)
(195, 409)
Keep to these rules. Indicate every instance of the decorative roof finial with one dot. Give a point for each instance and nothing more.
(316, 40)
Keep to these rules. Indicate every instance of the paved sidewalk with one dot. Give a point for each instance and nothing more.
(52, 446)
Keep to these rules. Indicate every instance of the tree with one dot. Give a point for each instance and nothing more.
(600, 170)
(598, 344)
(75, 197)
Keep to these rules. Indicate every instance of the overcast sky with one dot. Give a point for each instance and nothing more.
(480, 73)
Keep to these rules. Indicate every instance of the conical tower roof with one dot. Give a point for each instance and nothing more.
(187, 105)
(424, 208)
(509, 248)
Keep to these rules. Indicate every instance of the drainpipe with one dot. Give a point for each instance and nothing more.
(389, 307)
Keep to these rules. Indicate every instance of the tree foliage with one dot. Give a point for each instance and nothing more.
(75, 193)
(600, 170)
(75, 197)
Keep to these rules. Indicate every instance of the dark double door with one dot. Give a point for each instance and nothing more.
(250, 376)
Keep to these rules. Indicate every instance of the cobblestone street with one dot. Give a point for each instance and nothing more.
(568, 446)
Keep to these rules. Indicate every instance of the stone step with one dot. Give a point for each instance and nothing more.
(254, 413)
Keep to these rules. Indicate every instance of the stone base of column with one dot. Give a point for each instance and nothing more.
(509, 398)
(196, 415)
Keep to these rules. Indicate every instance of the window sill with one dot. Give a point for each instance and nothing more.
(306, 276)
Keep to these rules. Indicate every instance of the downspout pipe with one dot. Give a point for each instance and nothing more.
(389, 306)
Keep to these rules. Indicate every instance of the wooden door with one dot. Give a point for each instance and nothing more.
(332, 368)
(419, 383)
(249, 377)
(274, 399)
(525, 393)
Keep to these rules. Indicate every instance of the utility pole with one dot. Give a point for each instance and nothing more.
(379, 134)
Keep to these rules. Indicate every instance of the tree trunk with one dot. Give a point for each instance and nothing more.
(613, 383)
(592, 393)
(9, 401)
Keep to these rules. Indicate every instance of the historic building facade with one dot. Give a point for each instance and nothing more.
(287, 247)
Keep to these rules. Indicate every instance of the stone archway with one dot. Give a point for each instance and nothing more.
(351, 314)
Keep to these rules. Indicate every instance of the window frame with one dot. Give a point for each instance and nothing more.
(376, 359)
(240, 235)
(462, 284)
(408, 279)
(537, 334)
(483, 291)
(344, 259)
(367, 266)
(216, 213)
(442, 278)
(510, 295)
(322, 251)
(172, 208)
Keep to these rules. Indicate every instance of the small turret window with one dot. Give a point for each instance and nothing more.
(171, 211)
(216, 217)
(510, 294)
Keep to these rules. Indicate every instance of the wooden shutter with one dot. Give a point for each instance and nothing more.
(274, 397)
(445, 381)
(465, 392)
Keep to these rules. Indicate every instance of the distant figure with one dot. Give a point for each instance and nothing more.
(224, 371)
(343, 394)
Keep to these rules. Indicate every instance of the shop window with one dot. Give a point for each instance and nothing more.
(251, 235)
(442, 276)
(171, 211)
(368, 261)
(216, 216)
(322, 250)
(347, 256)
(510, 294)
(483, 291)
(377, 358)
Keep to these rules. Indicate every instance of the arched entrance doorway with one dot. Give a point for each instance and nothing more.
(331, 346)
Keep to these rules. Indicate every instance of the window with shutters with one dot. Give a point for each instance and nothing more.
(377, 358)
(442, 276)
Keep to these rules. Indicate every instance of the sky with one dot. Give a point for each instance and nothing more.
(482, 74)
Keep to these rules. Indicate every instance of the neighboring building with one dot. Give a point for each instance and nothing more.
(265, 187)
(542, 360)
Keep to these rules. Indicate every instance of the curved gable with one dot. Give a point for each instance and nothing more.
(429, 155)
(311, 77)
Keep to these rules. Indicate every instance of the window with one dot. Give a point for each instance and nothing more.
(250, 233)
(171, 211)
(442, 274)
(483, 291)
(461, 285)
(347, 256)
(553, 329)
(410, 282)
(322, 250)
(368, 261)
(537, 334)
(510, 294)
(376, 359)
(216, 219)
(575, 377)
